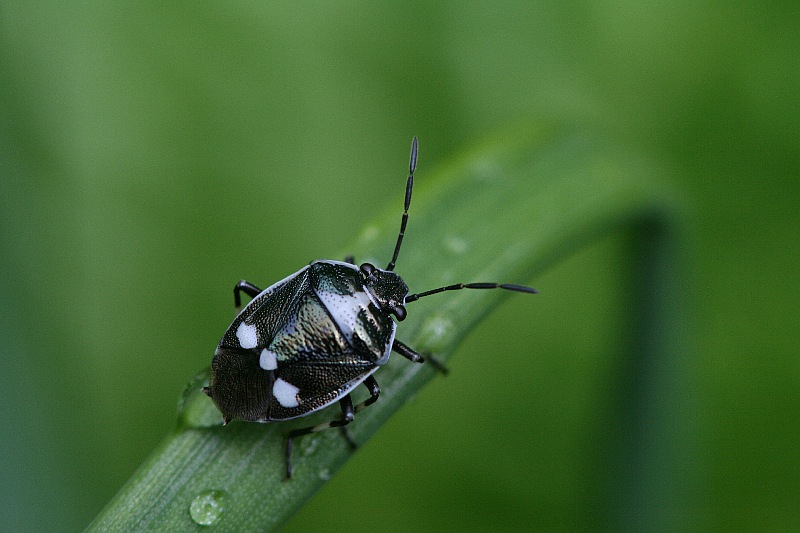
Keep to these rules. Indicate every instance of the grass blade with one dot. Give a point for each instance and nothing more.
(505, 211)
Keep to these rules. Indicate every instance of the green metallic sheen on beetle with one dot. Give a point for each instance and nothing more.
(329, 326)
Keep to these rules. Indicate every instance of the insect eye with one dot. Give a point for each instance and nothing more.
(367, 269)
(400, 312)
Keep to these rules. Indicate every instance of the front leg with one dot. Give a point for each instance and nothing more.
(374, 392)
(246, 287)
(410, 354)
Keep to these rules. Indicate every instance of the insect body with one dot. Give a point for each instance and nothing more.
(308, 340)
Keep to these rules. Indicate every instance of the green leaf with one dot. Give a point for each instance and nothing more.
(504, 211)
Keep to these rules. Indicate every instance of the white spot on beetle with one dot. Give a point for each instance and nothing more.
(247, 335)
(268, 360)
(345, 309)
(285, 393)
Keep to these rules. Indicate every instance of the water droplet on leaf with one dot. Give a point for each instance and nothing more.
(195, 408)
(369, 234)
(436, 331)
(207, 507)
(457, 245)
(311, 447)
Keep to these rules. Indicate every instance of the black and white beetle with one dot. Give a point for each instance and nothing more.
(310, 339)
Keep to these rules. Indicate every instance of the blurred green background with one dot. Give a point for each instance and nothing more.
(151, 156)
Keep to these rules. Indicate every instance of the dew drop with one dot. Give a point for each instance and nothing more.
(486, 170)
(369, 234)
(457, 245)
(195, 408)
(311, 447)
(207, 507)
(436, 331)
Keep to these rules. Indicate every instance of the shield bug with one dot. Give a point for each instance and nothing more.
(307, 341)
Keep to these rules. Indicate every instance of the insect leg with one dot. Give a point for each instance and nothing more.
(348, 414)
(415, 357)
(374, 392)
(248, 288)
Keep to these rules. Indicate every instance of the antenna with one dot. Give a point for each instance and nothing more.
(409, 185)
(459, 286)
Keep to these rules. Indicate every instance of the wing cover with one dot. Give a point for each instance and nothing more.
(327, 337)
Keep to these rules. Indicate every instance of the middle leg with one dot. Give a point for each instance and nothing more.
(348, 414)
(413, 356)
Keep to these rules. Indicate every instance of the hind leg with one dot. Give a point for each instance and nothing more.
(348, 414)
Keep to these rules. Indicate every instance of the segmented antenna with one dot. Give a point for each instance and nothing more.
(409, 185)
(459, 286)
